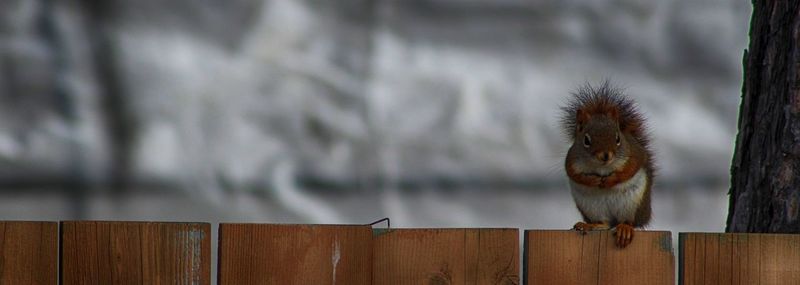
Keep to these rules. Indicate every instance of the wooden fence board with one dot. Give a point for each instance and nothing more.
(294, 254)
(446, 256)
(567, 257)
(728, 258)
(95, 252)
(28, 252)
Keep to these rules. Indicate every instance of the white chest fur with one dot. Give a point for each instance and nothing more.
(616, 203)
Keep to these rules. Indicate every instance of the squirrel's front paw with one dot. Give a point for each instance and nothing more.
(581, 227)
(624, 235)
(585, 227)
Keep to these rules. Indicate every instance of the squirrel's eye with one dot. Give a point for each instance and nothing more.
(617, 138)
(586, 140)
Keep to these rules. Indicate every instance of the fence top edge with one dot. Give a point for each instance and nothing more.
(358, 226)
(453, 229)
(28, 222)
(255, 224)
(737, 234)
(600, 231)
(133, 222)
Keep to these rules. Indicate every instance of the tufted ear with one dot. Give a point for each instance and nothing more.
(581, 117)
(613, 113)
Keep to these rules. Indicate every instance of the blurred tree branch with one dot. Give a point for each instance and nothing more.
(119, 122)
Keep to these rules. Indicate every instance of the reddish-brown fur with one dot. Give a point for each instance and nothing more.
(604, 108)
(606, 100)
(630, 121)
(627, 171)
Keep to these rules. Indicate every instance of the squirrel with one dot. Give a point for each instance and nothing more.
(610, 163)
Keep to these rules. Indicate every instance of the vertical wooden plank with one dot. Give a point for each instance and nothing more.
(446, 256)
(780, 259)
(725, 249)
(294, 254)
(738, 260)
(124, 239)
(498, 257)
(550, 254)
(419, 256)
(187, 256)
(745, 258)
(700, 254)
(28, 252)
(789, 256)
(711, 265)
(101, 234)
(2, 242)
(472, 253)
(592, 248)
(686, 264)
(95, 252)
(770, 265)
(602, 255)
(753, 268)
(79, 270)
(567, 257)
(648, 260)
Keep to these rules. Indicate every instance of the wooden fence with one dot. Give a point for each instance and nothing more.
(566, 257)
(93, 252)
(135, 253)
(714, 258)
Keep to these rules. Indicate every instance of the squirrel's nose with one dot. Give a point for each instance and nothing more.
(605, 156)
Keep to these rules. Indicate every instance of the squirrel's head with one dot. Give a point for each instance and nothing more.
(600, 122)
(598, 136)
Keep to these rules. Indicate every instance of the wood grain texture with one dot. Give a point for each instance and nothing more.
(94, 252)
(294, 254)
(28, 253)
(567, 257)
(446, 256)
(717, 258)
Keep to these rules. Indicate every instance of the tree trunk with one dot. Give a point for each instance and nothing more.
(765, 182)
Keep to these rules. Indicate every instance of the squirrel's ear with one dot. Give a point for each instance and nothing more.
(581, 117)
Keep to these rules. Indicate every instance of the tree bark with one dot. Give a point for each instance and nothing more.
(765, 172)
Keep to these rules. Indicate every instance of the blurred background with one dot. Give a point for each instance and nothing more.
(435, 113)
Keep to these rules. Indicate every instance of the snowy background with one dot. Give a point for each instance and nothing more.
(435, 113)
